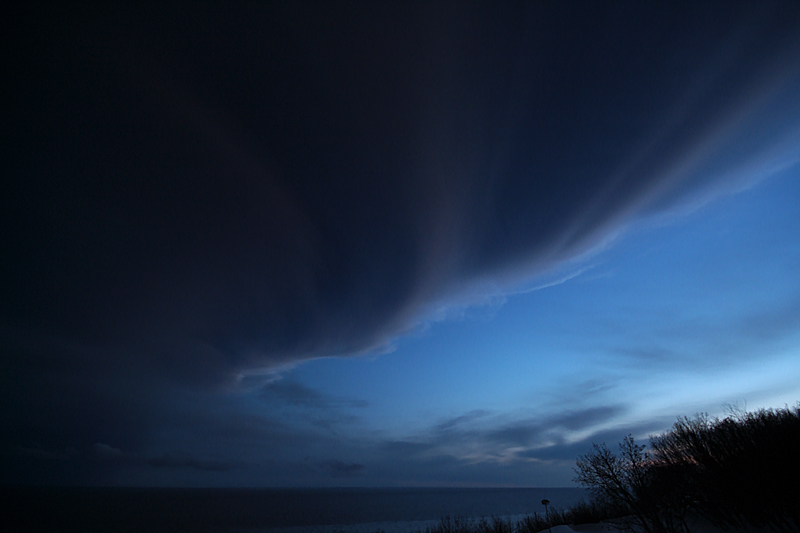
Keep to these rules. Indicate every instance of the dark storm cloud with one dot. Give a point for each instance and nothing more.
(197, 193)
(105, 451)
(58, 396)
(303, 405)
(297, 394)
(184, 461)
(251, 186)
(341, 469)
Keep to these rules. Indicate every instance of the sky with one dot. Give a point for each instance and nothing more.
(390, 244)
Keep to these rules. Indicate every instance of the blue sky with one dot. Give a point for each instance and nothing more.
(379, 244)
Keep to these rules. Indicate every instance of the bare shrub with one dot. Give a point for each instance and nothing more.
(741, 471)
(627, 484)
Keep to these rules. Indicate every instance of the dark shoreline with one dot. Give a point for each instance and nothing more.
(226, 509)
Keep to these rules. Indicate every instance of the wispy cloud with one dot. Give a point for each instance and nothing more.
(559, 281)
(479, 436)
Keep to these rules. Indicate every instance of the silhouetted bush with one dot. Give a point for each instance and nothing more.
(741, 471)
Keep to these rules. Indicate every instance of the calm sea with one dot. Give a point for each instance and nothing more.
(269, 510)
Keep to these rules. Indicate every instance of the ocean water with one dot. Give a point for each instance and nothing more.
(408, 510)
(270, 510)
